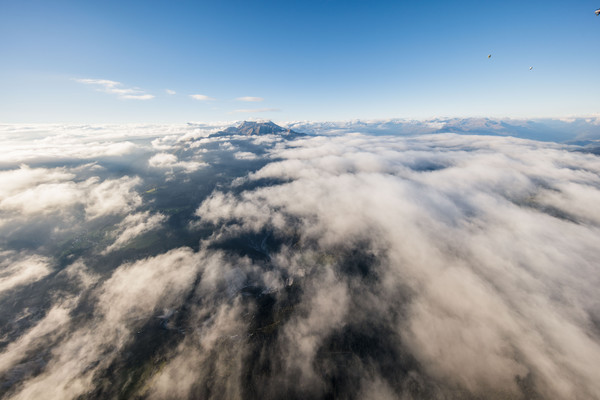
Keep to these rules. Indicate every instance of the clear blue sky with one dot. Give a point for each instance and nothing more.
(315, 60)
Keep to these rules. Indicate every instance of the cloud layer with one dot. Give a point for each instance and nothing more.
(500, 274)
(347, 266)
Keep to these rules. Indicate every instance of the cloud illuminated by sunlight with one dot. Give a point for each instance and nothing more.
(254, 110)
(113, 87)
(201, 97)
(250, 99)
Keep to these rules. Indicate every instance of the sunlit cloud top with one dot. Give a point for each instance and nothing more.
(201, 97)
(254, 110)
(441, 265)
(250, 99)
(113, 87)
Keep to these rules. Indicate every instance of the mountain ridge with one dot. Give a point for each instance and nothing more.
(254, 128)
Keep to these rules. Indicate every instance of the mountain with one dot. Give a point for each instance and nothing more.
(251, 128)
(580, 131)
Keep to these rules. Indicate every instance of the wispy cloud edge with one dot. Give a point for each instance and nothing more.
(114, 87)
(250, 99)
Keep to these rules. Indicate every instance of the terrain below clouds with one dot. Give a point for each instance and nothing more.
(195, 261)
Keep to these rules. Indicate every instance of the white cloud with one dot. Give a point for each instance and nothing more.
(111, 196)
(114, 87)
(171, 92)
(324, 312)
(190, 363)
(250, 99)
(31, 191)
(123, 302)
(201, 97)
(18, 180)
(61, 147)
(227, 146)
(162, 160)
(493, 239)
(165, 142)
(255, 110)
(19, 269)
(245, 155)
(132, 226)
(51, 326)
(43, 198)
(138, 96)
(79, 274)
(171, 162)
(100, 82)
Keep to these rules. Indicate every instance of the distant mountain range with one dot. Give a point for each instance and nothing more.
(575, 130)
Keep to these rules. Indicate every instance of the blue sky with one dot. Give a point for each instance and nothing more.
(109, 61)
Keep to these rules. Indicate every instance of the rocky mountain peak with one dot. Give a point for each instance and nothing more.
(257, 128)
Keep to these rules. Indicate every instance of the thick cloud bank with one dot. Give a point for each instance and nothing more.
(437, 266)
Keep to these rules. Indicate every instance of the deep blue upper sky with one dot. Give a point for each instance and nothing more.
(317, 60)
